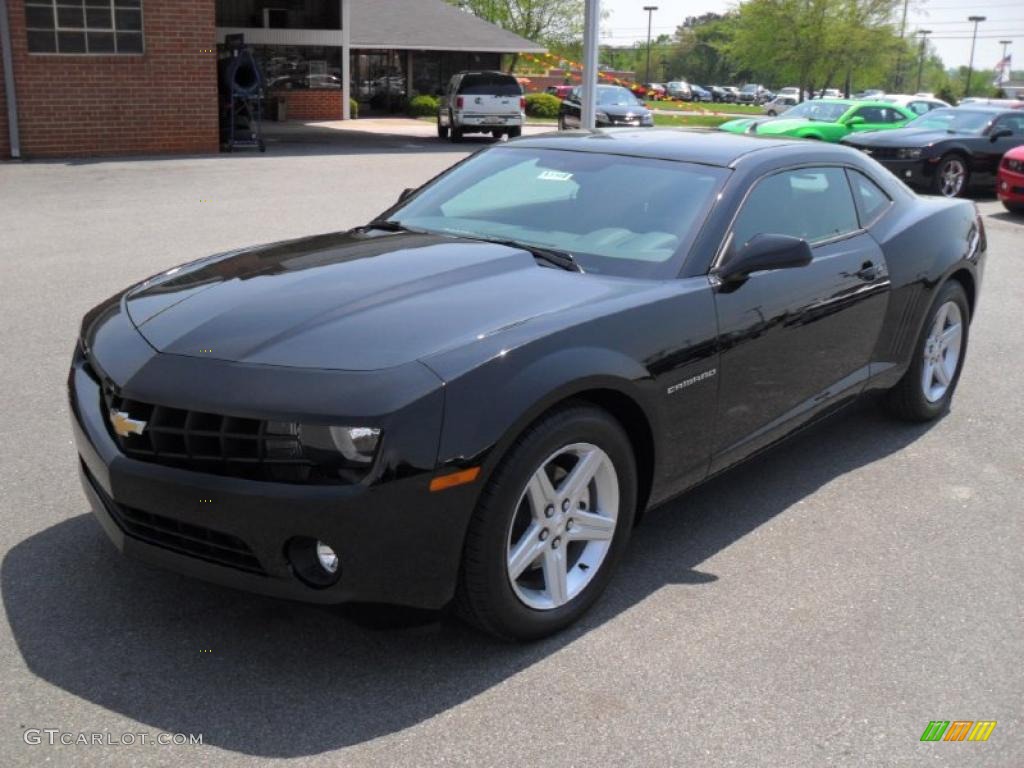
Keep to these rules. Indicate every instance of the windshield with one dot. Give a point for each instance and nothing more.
(827, 111)
(952, 120)
(617, 215)
(616, 96)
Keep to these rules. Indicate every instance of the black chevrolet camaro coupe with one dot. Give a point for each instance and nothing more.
(947, 151)
(472, 399)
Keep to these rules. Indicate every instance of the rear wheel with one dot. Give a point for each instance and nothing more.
(550, 526)
(456, 134)
(926, 389)
(951, 177)
(515, 133)
(442, 130)
(561, 123)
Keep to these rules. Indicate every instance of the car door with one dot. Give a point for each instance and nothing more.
(990, 150)
(794, 342)
(571, 109)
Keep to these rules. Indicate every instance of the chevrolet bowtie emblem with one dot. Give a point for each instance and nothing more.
(124, 425)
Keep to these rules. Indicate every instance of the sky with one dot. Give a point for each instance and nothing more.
(951, 32)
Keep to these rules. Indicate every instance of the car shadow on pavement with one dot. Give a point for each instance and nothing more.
(269, 678)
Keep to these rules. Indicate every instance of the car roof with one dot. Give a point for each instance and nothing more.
(717, 148)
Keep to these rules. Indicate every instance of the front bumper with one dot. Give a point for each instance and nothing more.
(489, 121)
(913, 173)
(396, 541)
(1010, 186)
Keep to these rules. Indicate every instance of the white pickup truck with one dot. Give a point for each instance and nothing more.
(481, 102)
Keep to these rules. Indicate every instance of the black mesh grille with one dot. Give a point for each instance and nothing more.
(188, 539)
(255, 449)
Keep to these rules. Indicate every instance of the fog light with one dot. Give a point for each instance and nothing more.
(908, 174)
(313, 561)
(328, 557)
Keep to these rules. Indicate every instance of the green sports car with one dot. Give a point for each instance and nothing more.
(826, 119)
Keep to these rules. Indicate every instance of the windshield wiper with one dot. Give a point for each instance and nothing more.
(561, 259)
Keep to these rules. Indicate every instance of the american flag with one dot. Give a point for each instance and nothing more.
(1002, 70)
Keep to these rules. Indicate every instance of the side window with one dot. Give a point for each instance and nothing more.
(871, 201)
(814, 204)
(919, 107)
(1009, 122)
(870, 114)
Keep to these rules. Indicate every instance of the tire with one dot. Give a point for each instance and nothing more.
(455, 135)
(561, 123)
(496, 133)
(909, 399)
(1013, 207)
(507, 519)
(442, 130)
(949, 167)
(515, 133)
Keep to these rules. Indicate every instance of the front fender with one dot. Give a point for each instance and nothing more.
(487, 408)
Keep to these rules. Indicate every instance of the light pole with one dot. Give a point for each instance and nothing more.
(974, 38)
(920, 60)
(591, 35)
(650, 15)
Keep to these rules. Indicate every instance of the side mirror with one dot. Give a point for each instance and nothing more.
(763, 253)
(1002, 133)
(858, 120)
(406, 194)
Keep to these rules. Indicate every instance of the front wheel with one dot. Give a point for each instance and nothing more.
(951, 177)
(550, 526)
(926, 389)
(1013, 207)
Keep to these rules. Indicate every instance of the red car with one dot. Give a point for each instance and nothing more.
(1010, 184)
(561, 91)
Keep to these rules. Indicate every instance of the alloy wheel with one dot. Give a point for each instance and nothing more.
(563, 526)
(942, 351)
(953, 176)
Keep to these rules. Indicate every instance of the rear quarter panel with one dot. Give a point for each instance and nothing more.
(925, 242)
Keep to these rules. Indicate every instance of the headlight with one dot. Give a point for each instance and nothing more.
(909, 154)
(601, 117)
(647, 119)
(1014, 165)
(340, 449)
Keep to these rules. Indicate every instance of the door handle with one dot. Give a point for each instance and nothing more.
(868, 271)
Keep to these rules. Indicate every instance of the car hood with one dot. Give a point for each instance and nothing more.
(785, 125)
(904, 137)
(353, 301)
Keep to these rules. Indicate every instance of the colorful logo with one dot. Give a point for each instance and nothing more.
(958, 730)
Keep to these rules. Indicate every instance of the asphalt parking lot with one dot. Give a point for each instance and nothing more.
(817, 606)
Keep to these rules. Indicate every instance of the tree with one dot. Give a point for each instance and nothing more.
(544, 21)
(816, 43)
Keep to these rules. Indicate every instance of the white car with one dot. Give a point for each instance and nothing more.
(780, 104)
(482, 102)
(919, 103)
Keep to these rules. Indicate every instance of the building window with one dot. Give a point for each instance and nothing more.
(84, 26)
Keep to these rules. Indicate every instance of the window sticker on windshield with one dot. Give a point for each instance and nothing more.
(555, 176)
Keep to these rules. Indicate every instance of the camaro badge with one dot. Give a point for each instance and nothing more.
(691, 381)
(124, 425)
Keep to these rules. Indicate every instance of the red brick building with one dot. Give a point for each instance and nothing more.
(113, 77)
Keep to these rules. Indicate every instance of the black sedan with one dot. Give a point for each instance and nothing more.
(473, 399)
(616, 106)
(947, 151)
